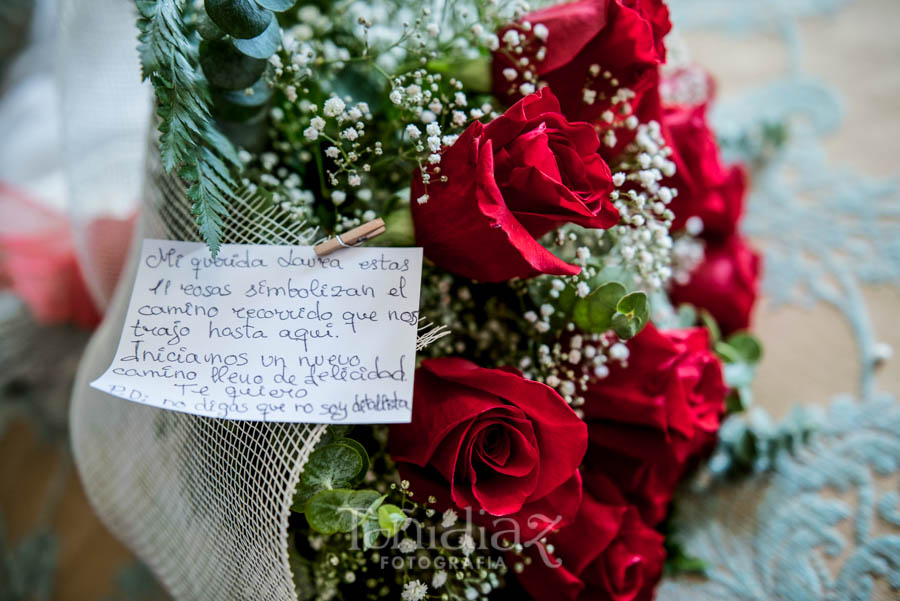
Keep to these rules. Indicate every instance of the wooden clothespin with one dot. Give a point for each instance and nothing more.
(354, 237)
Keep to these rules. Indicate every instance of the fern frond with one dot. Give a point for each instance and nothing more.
(189, 141)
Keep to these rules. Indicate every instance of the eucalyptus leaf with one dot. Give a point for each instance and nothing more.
(371, 529)
(747, 346)
(239, 18)
(262, 46)
(239, 105)
(709, 322)
(624, 326)
(277, 5)
(207, 29)
(335, 465)
(727, 353)
(353, 444)
(249, 134)
(738, 374)
(341, 510)
(594, 312)
(635, 305)
(632, 314)
(567, 299)
(391, 518)
(226, 67)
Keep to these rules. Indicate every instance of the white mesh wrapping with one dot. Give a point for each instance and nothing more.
(204, 502)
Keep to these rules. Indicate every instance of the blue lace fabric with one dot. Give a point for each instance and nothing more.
(822, 523)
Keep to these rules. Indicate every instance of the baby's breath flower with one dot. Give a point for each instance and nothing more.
(415, 590)
(439, 579)
(467, 544)
(448, 518)
(334, 106)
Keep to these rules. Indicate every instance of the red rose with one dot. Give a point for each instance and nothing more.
(647, 421)
(622, 37)
(492, 439)
(507, 183)
(725, 284)
(607, 554)
(707, 189)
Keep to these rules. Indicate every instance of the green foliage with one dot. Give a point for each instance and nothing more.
(741, 346)
(27, 568)
(226, 67)
(189, 142)
(262, 46)
(277, 5)
(341, 510)
(594, 312)
(679, 561)
(610, 306)
(709, 322)
(239, 18)
(752, 443)
(740, 353)
(390, 519)
(632, 314)
(337, 465)
(325, 493)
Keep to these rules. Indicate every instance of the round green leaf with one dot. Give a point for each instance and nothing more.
(594, 312)
(341, 510)
(353, 444)
(277, 5)
(709, 322)
(207, 29)
(635, 305)
(370, 531)
(331, 466)
(747, 346)
(567, 299)
(226, 67)
(390, 518)
(624, 326)
(262, 46)
(334, 466)
(632, 314)
(239, 18)
(238, 105)
(250, 134)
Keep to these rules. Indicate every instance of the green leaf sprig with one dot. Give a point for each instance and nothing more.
(190, 143)
(326, 494)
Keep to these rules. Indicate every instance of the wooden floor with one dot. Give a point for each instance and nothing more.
(31, 472)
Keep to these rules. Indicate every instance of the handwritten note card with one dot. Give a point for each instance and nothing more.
(271, 333)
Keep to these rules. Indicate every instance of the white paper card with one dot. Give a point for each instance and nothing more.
(271, 333)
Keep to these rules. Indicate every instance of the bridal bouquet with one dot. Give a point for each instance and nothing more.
(581, 244)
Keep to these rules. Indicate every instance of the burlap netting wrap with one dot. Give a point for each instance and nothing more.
(204, 502)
